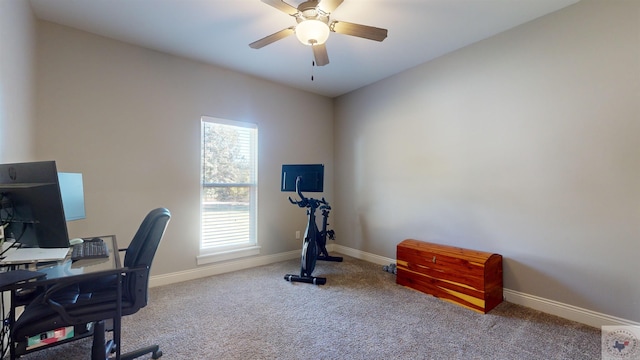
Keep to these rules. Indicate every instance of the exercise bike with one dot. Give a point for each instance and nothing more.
(314, 245)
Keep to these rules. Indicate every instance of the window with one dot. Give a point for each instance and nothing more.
(228, 200)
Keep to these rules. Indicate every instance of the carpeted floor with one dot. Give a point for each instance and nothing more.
(359, 314)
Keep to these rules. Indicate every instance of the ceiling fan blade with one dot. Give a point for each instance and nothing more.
(272, 38)
(320, 54)
(363, 31)
(329, 5)
(282, 6)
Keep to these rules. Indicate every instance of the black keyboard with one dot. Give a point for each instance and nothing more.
(90, 249)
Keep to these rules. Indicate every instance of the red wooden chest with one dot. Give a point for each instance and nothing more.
(466, 277)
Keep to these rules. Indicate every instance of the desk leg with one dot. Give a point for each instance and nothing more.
(12, 320)
(117, 322)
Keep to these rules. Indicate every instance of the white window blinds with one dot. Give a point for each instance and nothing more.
(229, 184)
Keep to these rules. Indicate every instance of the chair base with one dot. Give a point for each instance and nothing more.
(154, 350)
(103, 350)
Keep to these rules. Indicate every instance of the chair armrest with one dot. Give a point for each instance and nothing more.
(76, 279)
(47, 297)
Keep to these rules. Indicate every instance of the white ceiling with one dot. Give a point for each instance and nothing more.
(219, 32)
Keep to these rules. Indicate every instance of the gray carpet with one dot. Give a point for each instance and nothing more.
(359, 314)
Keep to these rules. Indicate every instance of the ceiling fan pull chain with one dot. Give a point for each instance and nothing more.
(313, 65)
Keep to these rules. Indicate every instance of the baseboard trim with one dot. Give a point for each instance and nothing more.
(358, 254)
(566, 311)
(220, 268)
(548, 306)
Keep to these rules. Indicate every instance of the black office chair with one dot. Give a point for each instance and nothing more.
(96, 298)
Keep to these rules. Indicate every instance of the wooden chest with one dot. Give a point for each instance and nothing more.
(466, 277)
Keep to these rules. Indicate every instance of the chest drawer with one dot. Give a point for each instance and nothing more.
(469, 278)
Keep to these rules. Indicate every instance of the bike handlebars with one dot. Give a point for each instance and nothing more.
(308, 202)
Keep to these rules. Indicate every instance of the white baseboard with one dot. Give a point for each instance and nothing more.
(376, 259)
(563, 310)
(552, 307)
(220, 268)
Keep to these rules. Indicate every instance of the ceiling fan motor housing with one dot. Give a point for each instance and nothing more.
(308, 10)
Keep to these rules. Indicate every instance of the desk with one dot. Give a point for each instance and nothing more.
(71, 268)
(66, 267)
(53, 272)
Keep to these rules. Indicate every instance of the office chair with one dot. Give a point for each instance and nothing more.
(90, 300)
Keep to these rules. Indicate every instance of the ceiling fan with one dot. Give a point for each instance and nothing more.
(313, 27)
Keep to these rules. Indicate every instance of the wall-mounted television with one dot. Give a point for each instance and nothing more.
(311, 177)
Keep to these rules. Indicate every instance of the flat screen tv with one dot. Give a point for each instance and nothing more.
(31, 208)
(311, 177)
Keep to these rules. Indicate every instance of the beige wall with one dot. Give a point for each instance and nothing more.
(525, 144)
(17, 57)
(129, 119)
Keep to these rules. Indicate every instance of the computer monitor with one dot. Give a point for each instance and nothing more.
(72, 192)
(31, 207)
(312, 177)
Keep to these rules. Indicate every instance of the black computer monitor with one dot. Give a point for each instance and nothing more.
(31, 207)
(312, 177)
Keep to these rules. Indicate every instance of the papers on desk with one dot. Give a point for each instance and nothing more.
(34, 255)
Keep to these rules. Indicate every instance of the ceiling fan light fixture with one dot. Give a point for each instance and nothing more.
(312, 32)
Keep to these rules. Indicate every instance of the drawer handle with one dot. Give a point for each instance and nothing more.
(434, 259)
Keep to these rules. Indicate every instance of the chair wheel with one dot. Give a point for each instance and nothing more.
(156, 355)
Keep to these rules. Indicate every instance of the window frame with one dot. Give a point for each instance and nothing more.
(232, 251)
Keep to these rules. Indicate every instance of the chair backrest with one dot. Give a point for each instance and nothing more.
(141, 251)
(146, 240)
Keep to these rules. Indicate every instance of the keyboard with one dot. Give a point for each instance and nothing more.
(90, 249)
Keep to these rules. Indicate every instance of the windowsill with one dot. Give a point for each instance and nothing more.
(227, 255)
